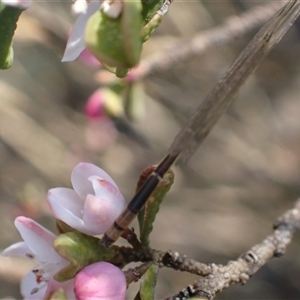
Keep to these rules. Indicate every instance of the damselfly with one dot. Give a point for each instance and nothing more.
(209, 111)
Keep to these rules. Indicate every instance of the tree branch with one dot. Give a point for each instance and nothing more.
(240, 270)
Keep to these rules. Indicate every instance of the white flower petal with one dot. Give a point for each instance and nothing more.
(50, 268)
(99, 214)
(38, 245)
(80, 176)
(79, 6)
(38, 239)
(22, 4)
(76, 42)
(112, 9)
(69, 199)
(19, 249)
(30, 289)
(62, 213)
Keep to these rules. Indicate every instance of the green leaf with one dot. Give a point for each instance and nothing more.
(148, 214)
(150, 7)
(150, 17)
(8, 23)
(147, 287)
(80, 250)
(150, 27)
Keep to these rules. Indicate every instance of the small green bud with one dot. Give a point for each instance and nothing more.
(116, 42)
(80, 250)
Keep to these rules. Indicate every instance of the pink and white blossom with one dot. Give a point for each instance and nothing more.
(100, 281)
(76, 43)
(38, 245)
(94, 203)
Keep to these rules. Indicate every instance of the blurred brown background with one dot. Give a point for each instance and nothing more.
(224, 200)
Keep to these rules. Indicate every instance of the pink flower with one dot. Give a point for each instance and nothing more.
(38, 245)
(76, 43)
(94, 203)
(22, 4)
(100, 281)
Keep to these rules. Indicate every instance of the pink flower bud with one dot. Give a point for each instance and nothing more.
(94, 107)
(100, 281)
